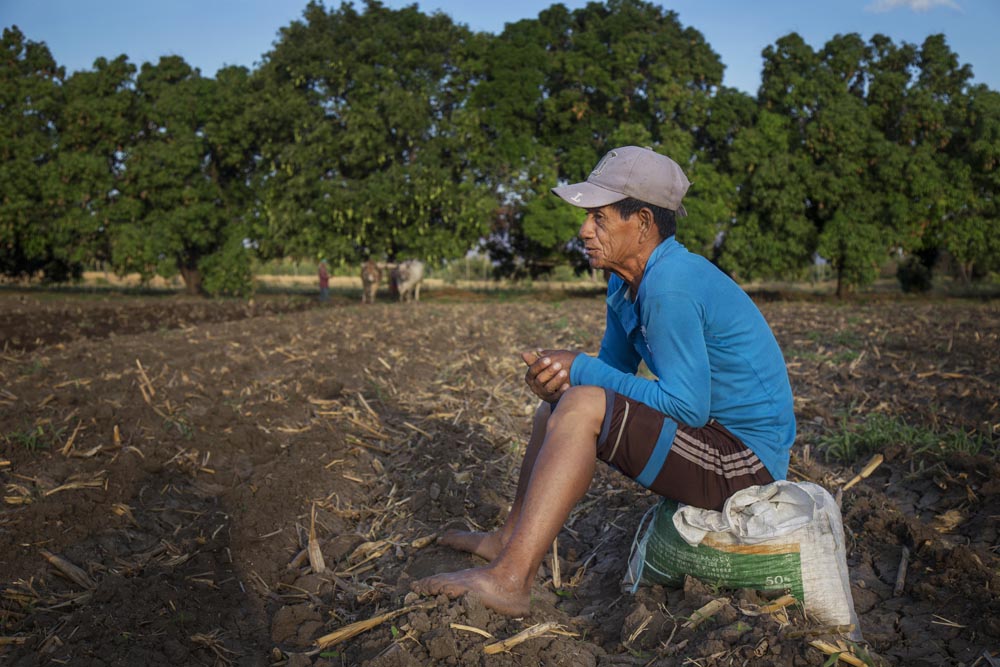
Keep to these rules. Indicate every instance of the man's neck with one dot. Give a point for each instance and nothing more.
(645, 252)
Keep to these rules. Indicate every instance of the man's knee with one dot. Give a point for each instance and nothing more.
(580, 406)
(543, 411)
(584, 394)
(539, 424)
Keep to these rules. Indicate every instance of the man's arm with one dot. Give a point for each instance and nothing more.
(548, 373)
(616, 350)
(676, 339)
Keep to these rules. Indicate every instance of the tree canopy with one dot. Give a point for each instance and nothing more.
(380, 133)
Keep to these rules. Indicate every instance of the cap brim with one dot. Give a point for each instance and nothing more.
(587, 195)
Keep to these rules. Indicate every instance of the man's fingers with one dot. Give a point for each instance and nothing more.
(552, 377)
(546, 370)
(538, 389)
(530, 357)
(540, 369)
(557, 382)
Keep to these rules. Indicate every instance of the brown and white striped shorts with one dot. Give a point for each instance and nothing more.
(696, 466)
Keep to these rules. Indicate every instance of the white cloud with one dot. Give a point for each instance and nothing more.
(914, 5)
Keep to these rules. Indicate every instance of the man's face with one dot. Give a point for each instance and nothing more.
(609, 238)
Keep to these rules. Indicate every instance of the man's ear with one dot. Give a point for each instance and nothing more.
(647, 224)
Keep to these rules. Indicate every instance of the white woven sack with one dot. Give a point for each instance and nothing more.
(781, 535)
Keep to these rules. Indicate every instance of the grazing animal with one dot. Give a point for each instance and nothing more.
(406, 278)
(370, 277)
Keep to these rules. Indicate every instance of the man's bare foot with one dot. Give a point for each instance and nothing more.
(495, 594)
(484, 545)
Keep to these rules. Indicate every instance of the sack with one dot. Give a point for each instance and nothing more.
(781, 536)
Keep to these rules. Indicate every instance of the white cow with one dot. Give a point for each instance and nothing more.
(407, 277)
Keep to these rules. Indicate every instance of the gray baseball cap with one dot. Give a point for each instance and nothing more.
(630, 171)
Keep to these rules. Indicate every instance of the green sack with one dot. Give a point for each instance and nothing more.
(668, 558)
(783, 536)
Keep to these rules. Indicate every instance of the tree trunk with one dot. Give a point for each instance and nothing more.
(840, 282)
(965, 273)
(192, 280)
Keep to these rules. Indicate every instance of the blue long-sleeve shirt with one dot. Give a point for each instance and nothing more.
(712, 352)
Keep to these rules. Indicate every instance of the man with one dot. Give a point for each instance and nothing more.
(718, 417)
(324, 281)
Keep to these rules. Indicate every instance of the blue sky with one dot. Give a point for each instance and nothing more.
(212, 33)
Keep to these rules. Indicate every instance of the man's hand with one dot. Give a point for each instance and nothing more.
(548, 372)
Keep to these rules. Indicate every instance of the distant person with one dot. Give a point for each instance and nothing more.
(324, 281)
(717, 418)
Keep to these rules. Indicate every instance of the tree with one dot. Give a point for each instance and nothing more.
(970, 233)
(713, 200)
(95, 125)
(905, 171)
(231, 163)
(31, 100)
(957, 125)
(771, 235)
(920, 98)
(383, 159)
(845, 197)
(855, 157)
(560, 91)
(182, 190)
(393, 134)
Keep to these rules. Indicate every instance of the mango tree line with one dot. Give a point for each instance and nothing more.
(860, 149)
(393, 133)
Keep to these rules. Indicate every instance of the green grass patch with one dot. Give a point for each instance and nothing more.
(36, 438)
(845, 357)
(179, 424)
(848, 339)
(802, 355)
(853, 442)
(33, 368)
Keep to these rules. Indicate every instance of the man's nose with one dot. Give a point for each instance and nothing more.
(586, 229)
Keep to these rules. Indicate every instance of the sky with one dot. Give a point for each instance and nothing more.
(210, 34)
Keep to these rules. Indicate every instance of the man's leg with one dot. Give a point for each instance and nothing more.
(562, 471)
(488, 544)
(699, 466)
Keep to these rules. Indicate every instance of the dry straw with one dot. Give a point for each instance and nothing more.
(869, 468)
(71, 571)
(547, 629)
(354, 629)
(469, 628)
(315, 553)
(840, 650)
(706, 612)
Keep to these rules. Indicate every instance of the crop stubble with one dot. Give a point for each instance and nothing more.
(261, 490)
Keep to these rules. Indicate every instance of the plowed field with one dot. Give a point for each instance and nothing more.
(165, 463)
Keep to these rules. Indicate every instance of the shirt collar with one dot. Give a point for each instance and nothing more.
(659, 252)
(618, 300)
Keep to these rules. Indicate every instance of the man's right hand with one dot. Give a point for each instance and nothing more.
(547, 380)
